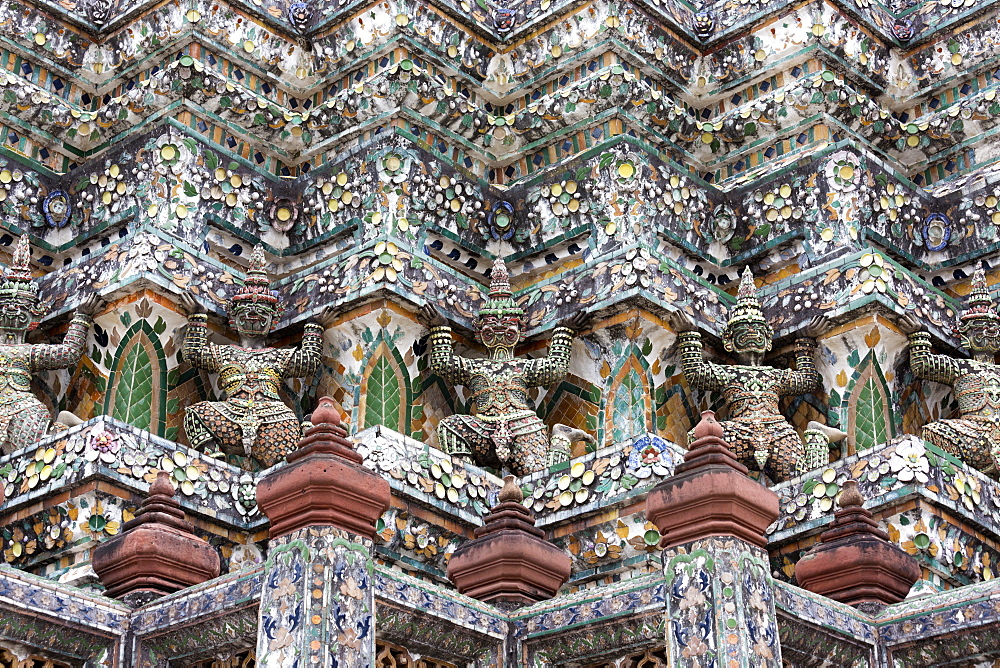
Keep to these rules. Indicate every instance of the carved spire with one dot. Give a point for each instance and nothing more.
(157, 553)
(509, 561)
(257, 286)
(980, 301)
(500, 301)
(747, 306)
(18, 281)
(711, 495)
(324, 483)
(20, 267)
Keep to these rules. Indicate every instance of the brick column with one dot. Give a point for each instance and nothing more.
(719, 592)
(317, 605)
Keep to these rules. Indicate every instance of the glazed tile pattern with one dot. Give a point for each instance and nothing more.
(39, 613)
(927, 499)
(317, 601)
(624, 160)
(714, 589)
(220, 616)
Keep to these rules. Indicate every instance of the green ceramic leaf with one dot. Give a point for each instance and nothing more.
(628, 408)
(870, 423)
(134, 392)
(383, 396)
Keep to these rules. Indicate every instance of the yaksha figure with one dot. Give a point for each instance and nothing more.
(758, 434)
(974, 437)
(505, 432)
(252, 426)
(23, 418)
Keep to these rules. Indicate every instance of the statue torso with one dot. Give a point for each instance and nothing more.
(751, 391)
(499, 387)
(15, 368)
(251, 374)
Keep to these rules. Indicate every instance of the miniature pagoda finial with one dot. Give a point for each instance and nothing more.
(505, 432)
(854, 562)
(974, 436)
(20, 266)
(253, 427)
(509, 561)
(157, 553)
(758, 434)
(23, 418)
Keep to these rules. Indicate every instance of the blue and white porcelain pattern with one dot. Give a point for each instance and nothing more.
(318, 602)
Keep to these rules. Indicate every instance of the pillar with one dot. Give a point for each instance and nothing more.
(317, 605)
(719, 592)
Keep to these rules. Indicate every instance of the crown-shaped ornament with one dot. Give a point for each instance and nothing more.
(500, 302)
(747, 308)
(18, 280)
(980, 302)
(257, 286)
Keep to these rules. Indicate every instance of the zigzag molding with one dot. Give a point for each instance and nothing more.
(899, 22)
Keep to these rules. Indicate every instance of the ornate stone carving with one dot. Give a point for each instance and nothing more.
(757, 433)
(23, 418)
(505, 432)
(252, 426)
(974, 437)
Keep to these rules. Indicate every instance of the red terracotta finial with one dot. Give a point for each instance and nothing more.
(157, 553)
(708, 426)
(326, 413)
(324, 483)
(161, 486)
(709, 448)
(326, 435)
(850, 495)
(710, 494)
(511, 491)
(854, 562)
(508, 559)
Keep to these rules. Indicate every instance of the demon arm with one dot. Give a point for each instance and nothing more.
(554, 366)
(198, 352)
(65, 354)
(443, 361)
(305, 359)
(699, 374)
(928, 366)
(805, 378)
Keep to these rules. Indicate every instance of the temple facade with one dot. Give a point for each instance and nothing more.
(499, 333)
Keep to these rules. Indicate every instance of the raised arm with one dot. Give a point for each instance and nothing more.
(306, 358)
(65, 354)
(554, 366)
(442, 359)
(928, 366)
(805, 378)
(699, 374)
(197, 351)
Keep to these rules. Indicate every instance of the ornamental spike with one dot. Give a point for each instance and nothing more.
(499, 280)
(257, 286)
(980, 301)
(747, 303)
(20, 267)
(500, 301)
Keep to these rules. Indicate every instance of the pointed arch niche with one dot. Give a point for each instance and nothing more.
(385, 391)
(628, 406)
(138, 382)
(869, 411)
